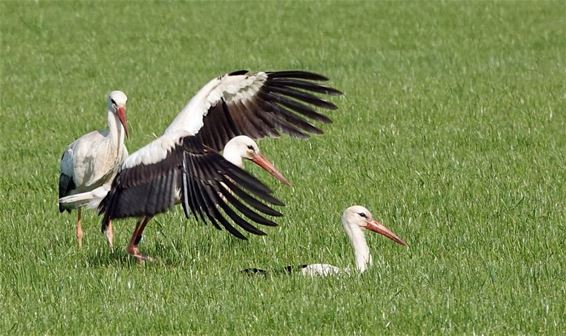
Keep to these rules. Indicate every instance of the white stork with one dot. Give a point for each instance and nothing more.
(184, 165)
(237, 150)
(93, 159)
(241, 148)
(355, 220)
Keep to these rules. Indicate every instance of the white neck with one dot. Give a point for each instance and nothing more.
(116, 131)
(233, 155)
(361, 248)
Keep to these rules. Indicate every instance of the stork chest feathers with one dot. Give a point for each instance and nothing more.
(100, 157)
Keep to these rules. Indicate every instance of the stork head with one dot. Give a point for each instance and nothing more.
(117, 105)
(359, 218)
(244, 147)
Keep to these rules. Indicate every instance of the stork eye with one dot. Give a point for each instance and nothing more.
(362, 215)
(250, 147)
(113, 102)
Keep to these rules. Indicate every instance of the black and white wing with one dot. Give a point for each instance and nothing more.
(257, 104)
(164, 172)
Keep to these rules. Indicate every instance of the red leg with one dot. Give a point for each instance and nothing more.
(132, 247)
(136, 236)
(79, 232)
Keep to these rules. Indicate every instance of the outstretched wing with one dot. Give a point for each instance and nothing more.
(201, 179)
(257, 104)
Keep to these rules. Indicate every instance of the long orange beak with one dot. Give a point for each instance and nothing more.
(376, 226)
(122, 116)
(261, 161)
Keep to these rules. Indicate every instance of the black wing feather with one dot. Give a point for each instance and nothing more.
(296, 120)
(297, 74)
(305, 85)
(273, 109)
(218, 216)
(245, 210)
(237, 219)
(303, 96)
(252, 201)
(66, 184)
(201, 173)
(185, 186)
(192, 188)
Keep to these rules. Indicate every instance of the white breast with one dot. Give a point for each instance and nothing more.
(320, 270)
(93, 160)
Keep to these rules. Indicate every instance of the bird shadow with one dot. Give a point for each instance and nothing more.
(120, 258)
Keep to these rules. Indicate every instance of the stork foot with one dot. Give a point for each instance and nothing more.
(135, 252)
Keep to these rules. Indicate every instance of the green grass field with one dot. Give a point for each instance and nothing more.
(451, 130)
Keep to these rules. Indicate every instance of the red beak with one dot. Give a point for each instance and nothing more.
(261, 161)
(122, 116)
(376, 226)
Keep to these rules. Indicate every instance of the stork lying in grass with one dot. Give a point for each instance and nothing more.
(355, 220)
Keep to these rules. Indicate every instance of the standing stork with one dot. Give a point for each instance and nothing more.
(355, 220)
(183, 165)
(93, 160)
(236, 151)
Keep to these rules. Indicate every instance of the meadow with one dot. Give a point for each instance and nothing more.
(451, 131)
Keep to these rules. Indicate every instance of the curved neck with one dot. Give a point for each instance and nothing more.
(361, 248)
(116, 131)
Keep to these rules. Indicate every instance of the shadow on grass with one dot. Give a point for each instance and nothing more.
(120, 258)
